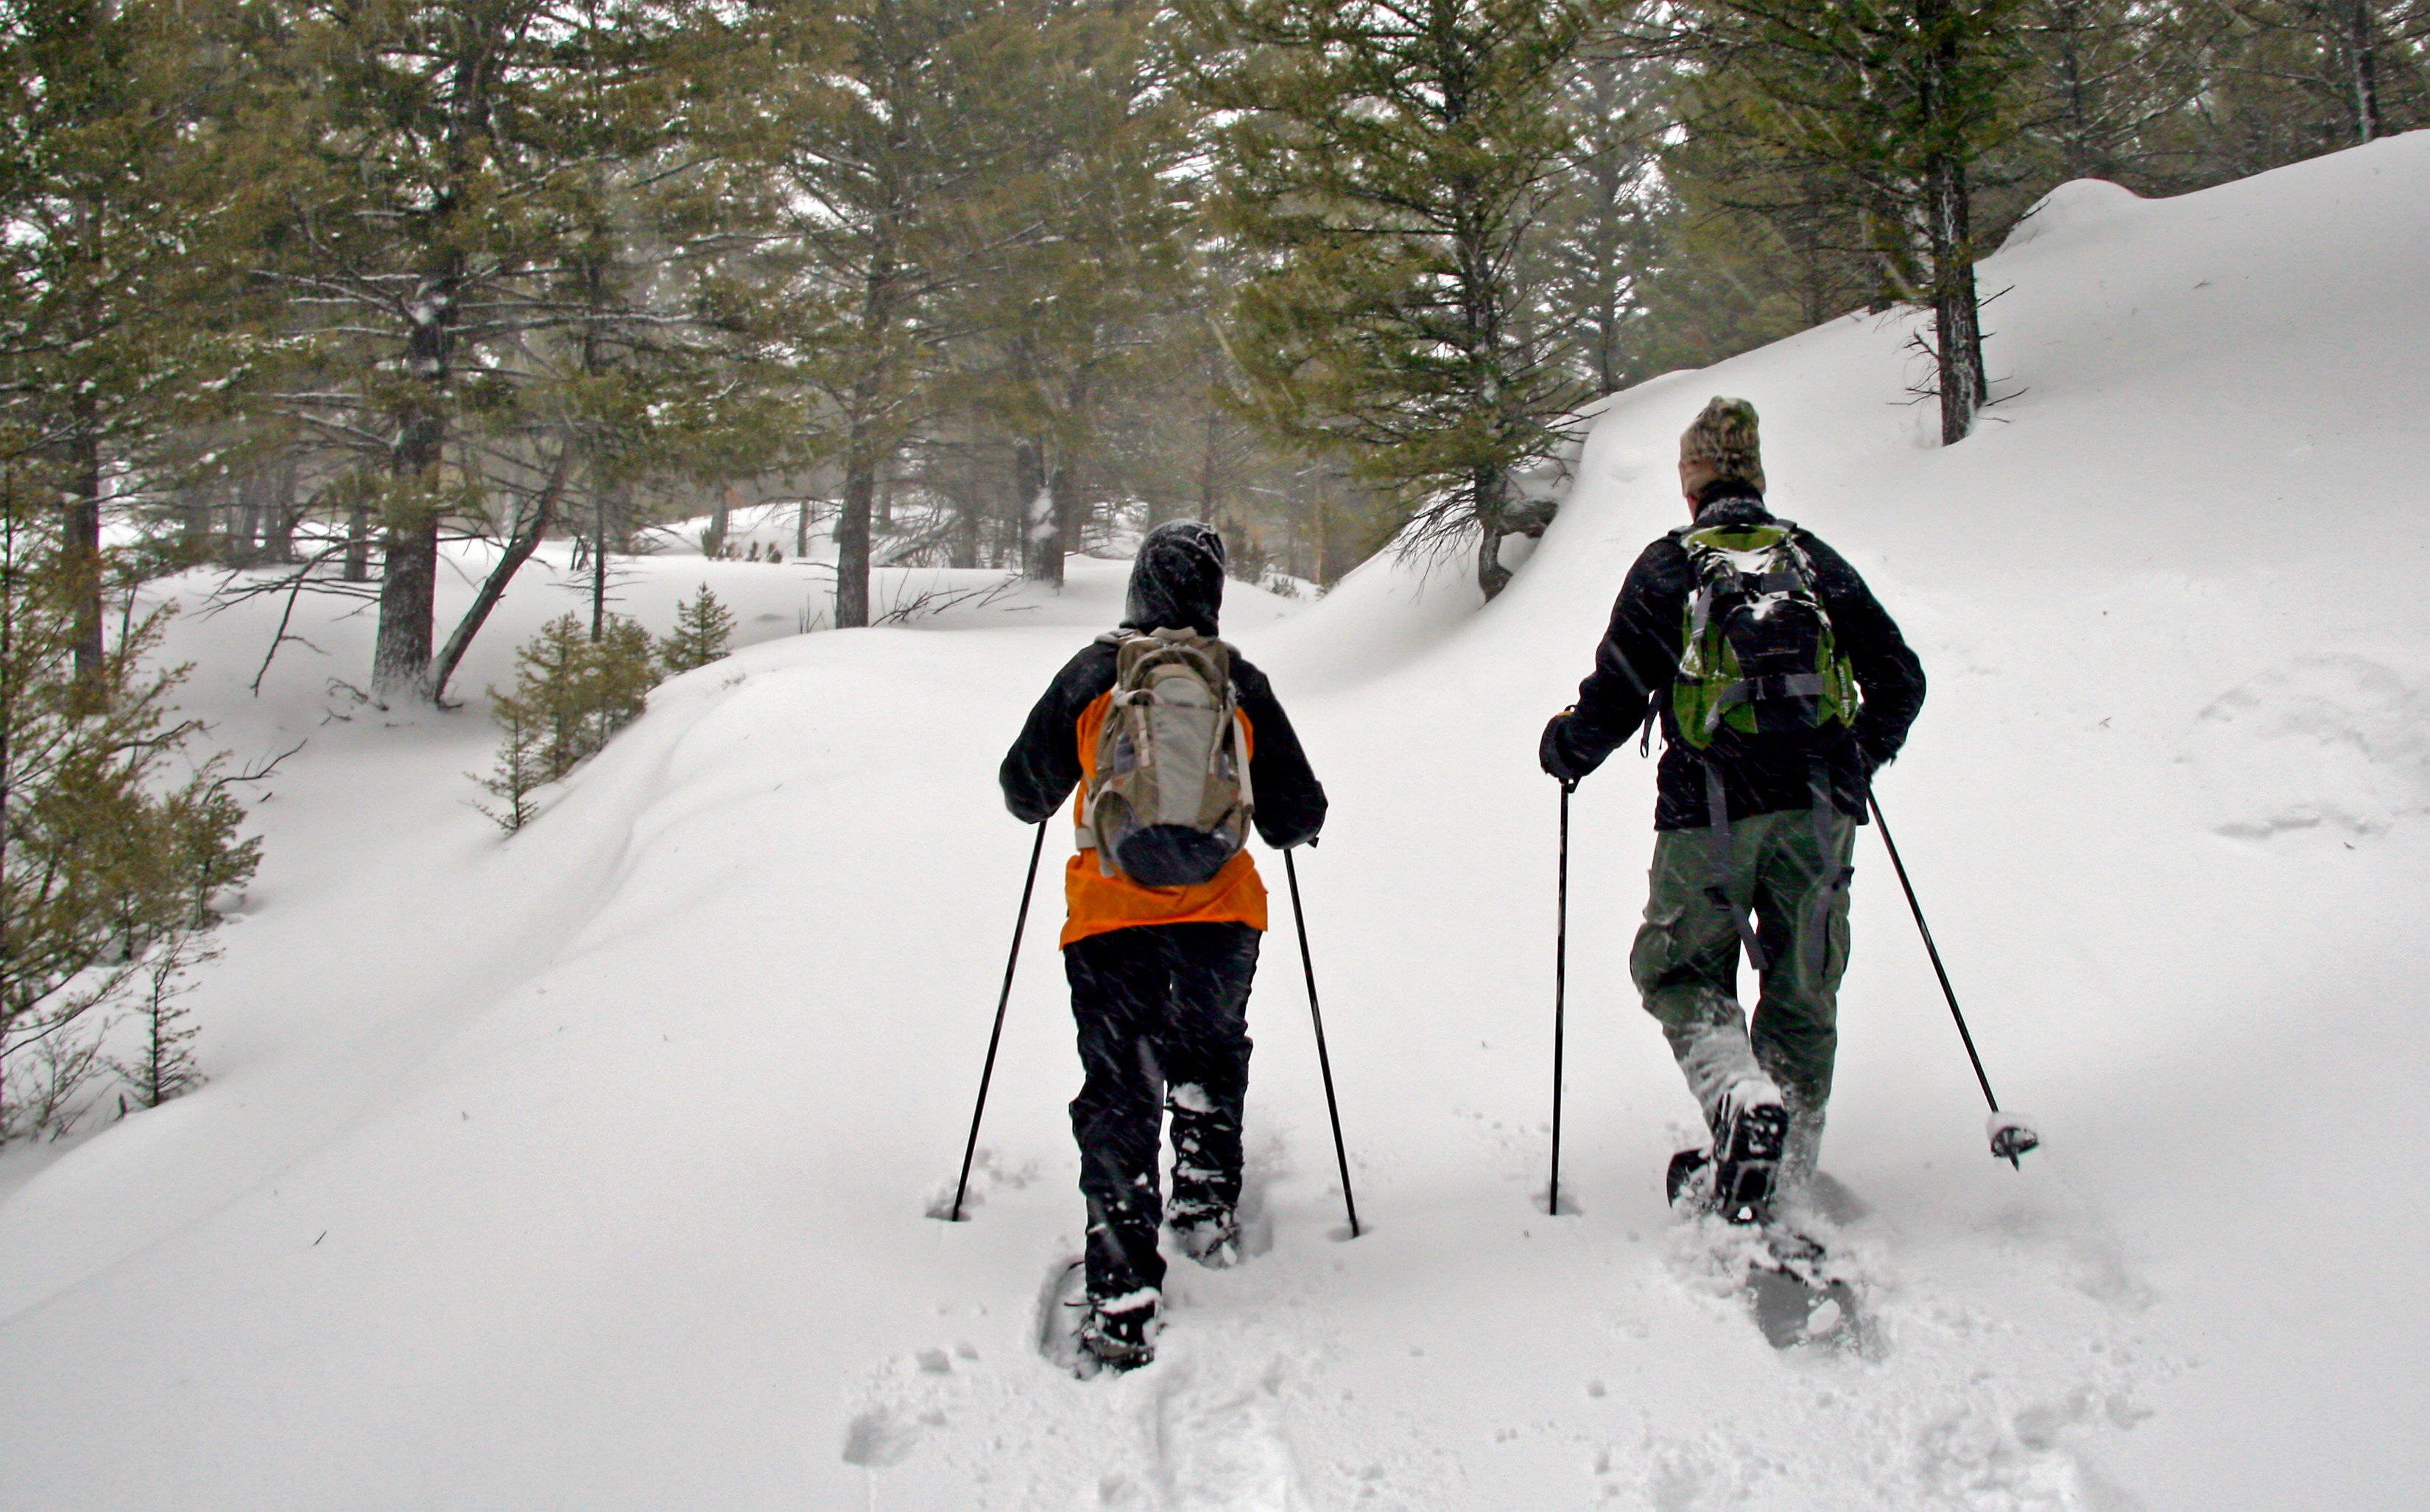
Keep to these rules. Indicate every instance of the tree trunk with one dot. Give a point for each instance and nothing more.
(852, 526)
(598, 561)
(1957, 313)
(1207, 455)
(2362, 70)
(357, 567)
(965, 538)
(409, 565)
(409, 573)
(1040, 532)
(2076, 115)
(518, 549)
(278, 539)
(239, 548)
(84, 546)
(1486, 485)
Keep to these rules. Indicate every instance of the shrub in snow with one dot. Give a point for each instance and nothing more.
(108, 853)
(703, 628)
(570, 694)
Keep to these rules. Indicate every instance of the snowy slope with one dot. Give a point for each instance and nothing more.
(589, 1169)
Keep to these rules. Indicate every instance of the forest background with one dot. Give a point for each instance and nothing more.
(313, 290)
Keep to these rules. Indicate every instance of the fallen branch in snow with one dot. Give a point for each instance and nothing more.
(937, 601)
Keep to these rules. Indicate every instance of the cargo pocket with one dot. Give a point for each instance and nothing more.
(1656, 955)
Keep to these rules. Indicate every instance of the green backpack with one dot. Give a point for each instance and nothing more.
(1758, 654)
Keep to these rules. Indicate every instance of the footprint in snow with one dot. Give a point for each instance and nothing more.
(1218, 1441)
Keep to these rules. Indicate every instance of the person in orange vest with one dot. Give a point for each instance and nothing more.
(1176, 746)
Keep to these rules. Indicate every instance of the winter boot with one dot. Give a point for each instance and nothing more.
(1118, 1333)
(1750, 1131)
(1207, 1231)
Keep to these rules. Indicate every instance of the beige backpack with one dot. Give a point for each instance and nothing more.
(1170, 801)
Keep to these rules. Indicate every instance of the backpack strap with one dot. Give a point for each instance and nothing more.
(1716, 823)
(1819, 809)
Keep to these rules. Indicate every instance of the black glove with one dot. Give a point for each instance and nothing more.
(1552, 752)
(1872, 760)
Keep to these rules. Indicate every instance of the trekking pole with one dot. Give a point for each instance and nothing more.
(1324, 1063)
(970, 1147)
(2010, 1135)
(1560, 995)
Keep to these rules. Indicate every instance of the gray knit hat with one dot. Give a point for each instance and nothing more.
(1723, 444)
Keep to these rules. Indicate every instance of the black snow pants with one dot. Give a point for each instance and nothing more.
(1163, 1018)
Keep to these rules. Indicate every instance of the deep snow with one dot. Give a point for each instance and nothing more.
(589, 1169)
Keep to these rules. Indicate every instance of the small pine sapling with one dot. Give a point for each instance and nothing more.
(572, 694)
(518, 769)
(163, 1064)
(704, 627)
(620, 675)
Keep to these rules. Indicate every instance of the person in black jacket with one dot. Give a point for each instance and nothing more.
(1755, 812)
(1159, 974)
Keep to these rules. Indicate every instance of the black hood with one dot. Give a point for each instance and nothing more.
(1177, 583)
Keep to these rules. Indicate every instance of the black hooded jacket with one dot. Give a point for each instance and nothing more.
(1761, 774)
(1176, 582)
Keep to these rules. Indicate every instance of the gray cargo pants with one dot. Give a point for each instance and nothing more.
(1787, 874)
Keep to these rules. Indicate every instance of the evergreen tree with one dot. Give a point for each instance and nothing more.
(1385, 164)
(887, 139)
(105, 273)
(464, 214)
(703, 628)
(1080, 254)
(109, 860)
(572, 694)
(1893, 104)
(163, 1064)
(520, 768)
(1599, 246)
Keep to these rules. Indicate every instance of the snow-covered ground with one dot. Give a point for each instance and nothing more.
(590, 1170)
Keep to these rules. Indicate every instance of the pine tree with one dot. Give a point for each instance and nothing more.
(481, 224)
(887, 137)
(1080, 251)
(163, 1064)
(1386, 164)
(622, 671)
(106, 275)
(109, 861)
(1891, 104)
(519, 766)
(1592, 262)
(703, 628)
(572, 694)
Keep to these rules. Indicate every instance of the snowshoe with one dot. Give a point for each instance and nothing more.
(1797, 1300)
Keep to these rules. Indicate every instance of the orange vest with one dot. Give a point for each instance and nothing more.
(1099, 903)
